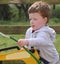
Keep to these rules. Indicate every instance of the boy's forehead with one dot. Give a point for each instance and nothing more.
(34, 15)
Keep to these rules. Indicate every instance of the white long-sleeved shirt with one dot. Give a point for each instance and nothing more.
(43, 39)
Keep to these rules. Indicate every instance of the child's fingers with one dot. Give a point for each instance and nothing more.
(22, 42)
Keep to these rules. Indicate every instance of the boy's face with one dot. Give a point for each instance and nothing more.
(37, 21)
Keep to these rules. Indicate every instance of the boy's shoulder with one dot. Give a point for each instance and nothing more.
(29, 29)
(47, 28)
(50, 31)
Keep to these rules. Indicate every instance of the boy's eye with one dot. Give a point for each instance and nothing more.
(29, 19)
(35, 19)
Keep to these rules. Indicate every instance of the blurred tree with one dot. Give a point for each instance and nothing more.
(54, 6)
(23, 7)
(19, 10)
(5, 13)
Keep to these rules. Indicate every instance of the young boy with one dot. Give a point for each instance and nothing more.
(40, 35)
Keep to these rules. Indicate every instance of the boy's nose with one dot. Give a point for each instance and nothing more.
(31, 21)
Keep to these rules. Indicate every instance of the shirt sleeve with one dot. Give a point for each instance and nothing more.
(42, 39)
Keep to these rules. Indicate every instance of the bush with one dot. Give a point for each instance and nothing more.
(56, 12)
(55, 20)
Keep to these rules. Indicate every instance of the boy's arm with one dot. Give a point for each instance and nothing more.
(42, 39)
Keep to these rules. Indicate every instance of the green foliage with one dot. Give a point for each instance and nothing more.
(18, 12)
(16, 20)
(54, 22)
(56, 11)
(14, 12)
(5, 13)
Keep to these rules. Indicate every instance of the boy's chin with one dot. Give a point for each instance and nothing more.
(34, 29)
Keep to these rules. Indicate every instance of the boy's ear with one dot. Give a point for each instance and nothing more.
(46, 19)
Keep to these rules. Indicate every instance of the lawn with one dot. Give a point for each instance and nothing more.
(57, 43)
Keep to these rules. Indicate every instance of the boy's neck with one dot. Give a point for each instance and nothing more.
(33, 31)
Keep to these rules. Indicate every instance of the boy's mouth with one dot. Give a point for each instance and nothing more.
(33, 25)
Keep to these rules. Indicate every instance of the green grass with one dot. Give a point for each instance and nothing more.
(14, 23)
(57, 43)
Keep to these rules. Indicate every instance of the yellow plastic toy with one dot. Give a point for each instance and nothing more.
(20, 55)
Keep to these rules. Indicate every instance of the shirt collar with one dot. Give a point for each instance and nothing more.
(33, 31)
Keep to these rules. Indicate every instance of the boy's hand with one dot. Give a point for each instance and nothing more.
(22, 42)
